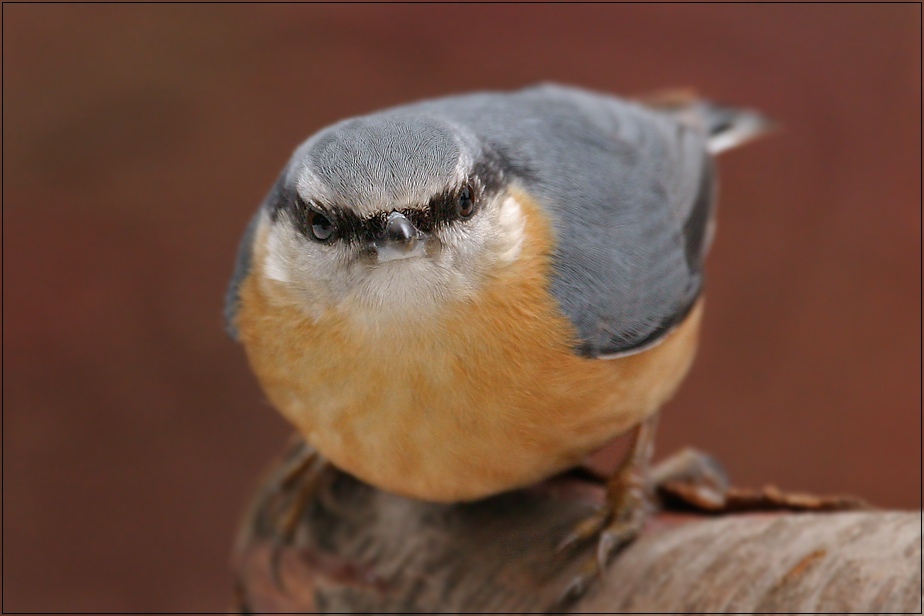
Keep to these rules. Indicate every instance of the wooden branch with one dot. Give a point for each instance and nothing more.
(362, 550)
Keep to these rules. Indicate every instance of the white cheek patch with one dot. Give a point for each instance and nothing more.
(296, 272)
(510, 230)
(276, 264)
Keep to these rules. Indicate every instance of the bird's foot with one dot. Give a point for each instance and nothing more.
(633, 493)
(690, 480)
(614, 526)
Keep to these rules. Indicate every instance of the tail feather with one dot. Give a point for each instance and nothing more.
(729, 128)
(725, 127)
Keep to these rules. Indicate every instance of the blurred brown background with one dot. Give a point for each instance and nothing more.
(138, 140)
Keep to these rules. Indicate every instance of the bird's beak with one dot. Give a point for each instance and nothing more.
(400, 239)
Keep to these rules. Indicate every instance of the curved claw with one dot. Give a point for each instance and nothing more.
(575, 589)
(614, 538)
(578, 586)
(585, 531)
(691, 479)
(620, 520)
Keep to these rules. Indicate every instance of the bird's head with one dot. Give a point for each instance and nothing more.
(390, 216)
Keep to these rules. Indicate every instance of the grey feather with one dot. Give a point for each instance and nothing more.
(370, 163)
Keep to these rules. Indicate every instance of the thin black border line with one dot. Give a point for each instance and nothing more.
(465, 3)
(505, 613)
(425, 3)
(2, 317)
(226, 613)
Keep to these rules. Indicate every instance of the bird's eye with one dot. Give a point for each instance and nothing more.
(322, 229)
(466, 204)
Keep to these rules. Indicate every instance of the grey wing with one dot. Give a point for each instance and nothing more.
(629, 265)
(630, 191)
(633, 190)
(627, 287)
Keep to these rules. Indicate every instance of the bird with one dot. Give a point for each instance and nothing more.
(463, 296)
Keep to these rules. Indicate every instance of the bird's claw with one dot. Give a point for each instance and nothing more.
(614, 526)
(584, 531)
(578, 585)
(617, 536)
(691, 479)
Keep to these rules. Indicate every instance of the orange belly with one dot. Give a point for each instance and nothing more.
(485, 397)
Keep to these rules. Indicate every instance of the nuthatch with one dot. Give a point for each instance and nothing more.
(463, 296)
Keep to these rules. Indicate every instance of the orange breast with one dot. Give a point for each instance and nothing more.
(484, 398)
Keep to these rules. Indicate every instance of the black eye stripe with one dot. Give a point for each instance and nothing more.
(450, 206)
(315, 223)
(321, 227)
(311, 219)
(460, 203)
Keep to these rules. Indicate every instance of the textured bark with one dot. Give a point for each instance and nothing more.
(361, 550)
